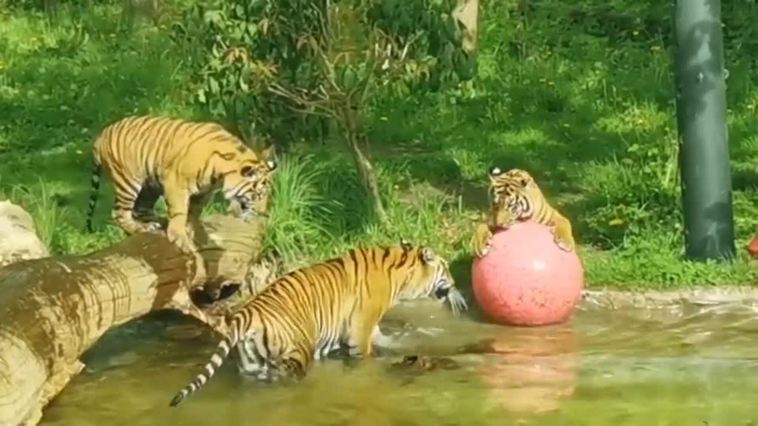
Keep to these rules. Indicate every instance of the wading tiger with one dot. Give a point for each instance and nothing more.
(183, 161)
(515, 196)
(332, 305)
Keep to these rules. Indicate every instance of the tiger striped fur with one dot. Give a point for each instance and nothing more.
(308, 313)
(183, 161)
(515, 196)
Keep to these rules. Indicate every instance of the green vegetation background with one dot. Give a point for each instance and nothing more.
(580, 94)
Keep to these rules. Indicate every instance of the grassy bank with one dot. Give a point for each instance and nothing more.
(590, 113)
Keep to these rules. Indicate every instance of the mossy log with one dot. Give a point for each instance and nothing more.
(53, 309)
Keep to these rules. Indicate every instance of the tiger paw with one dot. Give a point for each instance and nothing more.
(154, 227)
(482, 241)
(563, 243)
(248, 215)
(181, 240)
(481, 249)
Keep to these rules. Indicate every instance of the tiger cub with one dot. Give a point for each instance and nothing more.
(515, 196)
(183, 161)
(308, 313)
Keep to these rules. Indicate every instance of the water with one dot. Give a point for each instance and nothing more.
(681, 365)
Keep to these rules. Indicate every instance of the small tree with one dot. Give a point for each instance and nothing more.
(264, 60)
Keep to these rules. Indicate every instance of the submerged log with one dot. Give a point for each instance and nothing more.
(53, 309)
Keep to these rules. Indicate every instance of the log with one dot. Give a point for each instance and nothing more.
(53, 309)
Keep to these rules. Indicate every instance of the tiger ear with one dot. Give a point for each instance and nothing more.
(269, 155)
(405, 243)
(495, 172)
(428, 255)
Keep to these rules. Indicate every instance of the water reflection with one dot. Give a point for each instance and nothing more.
(670, 364)
(531, 370)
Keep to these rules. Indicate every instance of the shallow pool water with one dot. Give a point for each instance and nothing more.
(689, 365)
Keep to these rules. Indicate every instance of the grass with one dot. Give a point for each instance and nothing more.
(588, 109)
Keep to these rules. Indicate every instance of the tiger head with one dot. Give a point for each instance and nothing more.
(512, 195)
(428, 275)
(248, 180)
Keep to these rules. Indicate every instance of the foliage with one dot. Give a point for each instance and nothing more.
(321, 58)
(244, 47)
(298, 210)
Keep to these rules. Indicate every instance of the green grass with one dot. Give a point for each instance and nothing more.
(588, 109)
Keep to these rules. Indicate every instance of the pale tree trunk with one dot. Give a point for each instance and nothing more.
(467, 13)
(55, 308)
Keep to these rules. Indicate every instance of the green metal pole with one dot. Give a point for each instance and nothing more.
(703, 138)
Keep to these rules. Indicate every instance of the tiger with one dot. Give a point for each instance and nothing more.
(184, 161)
(515, 196)
(328, 306)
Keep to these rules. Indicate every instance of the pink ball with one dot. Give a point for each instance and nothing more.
(526, 279)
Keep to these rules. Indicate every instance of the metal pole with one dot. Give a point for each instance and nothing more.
(703, 137)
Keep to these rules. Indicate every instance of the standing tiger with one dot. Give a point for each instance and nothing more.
(185, 161)
(311, 312)
(515, 196)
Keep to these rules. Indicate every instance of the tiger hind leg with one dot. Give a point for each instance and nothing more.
(144, 208)
(326, 348)
(127, 194)
(251, 362)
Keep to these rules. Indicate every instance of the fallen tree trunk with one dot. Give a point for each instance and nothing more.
(53, 309)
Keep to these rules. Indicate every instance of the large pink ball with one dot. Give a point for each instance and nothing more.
(526, 279)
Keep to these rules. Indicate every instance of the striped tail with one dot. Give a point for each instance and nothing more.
(95, 187)
(217, 359)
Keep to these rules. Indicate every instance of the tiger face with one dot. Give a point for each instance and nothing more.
(432, 278)
(511, 195)
(249, 183)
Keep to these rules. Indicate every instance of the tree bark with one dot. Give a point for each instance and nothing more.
(53, 309)
(355, 136)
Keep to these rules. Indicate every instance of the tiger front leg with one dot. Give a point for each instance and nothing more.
(294, 364)
(498, 218)
(197, 203)
(381, 340)
(482, 240)
(362, 335)
(562, 233)
(178, 209)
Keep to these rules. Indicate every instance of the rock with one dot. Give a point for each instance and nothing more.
(18, 235)
(422, 363)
